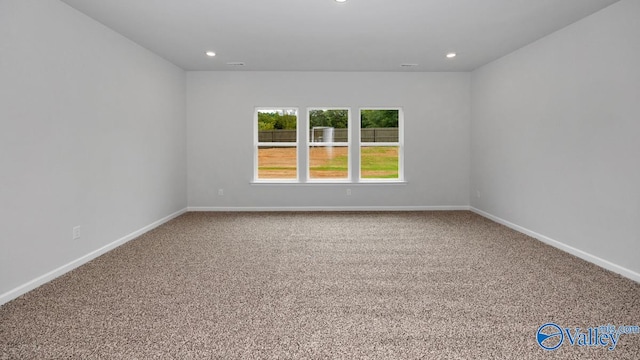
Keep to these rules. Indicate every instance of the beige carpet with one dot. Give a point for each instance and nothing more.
(402, 285)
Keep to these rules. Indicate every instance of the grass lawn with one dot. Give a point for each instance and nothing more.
(379, 162)
(376, 162)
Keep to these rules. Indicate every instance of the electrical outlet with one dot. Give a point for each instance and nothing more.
(348, 192)
(478, 194)
(76, 233)
(220, 192)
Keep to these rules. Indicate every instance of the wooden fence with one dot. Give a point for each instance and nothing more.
(339, 135)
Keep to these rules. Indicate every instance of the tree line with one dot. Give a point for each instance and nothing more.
(330, 118)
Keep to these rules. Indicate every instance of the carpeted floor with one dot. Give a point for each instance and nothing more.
(399, 285)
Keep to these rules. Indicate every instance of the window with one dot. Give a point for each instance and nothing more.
(324, 150)
(380, 144)
(276, 144)
(328, 144)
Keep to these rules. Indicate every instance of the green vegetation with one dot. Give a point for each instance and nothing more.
(379, 162)
(338, 163)
(379, 119)
(274, 120)
(376, 162)
(338, 119)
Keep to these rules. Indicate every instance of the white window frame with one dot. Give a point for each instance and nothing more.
(348, 143)
(257, 144)
(399, 144)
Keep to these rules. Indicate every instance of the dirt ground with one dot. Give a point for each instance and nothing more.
(280, 163)
(277, 163)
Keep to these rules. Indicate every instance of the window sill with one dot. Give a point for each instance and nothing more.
(327, 183)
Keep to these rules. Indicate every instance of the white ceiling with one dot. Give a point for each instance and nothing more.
(323, 35)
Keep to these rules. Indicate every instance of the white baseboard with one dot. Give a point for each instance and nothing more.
(328, 208)
(564, 247)
(23, 289)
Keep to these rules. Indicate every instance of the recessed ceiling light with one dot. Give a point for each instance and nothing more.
(451, 55)
(210, 53)
(341, 0)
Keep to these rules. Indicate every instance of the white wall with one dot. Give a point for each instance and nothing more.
(556, 136)
(92, 133)
(220, 113)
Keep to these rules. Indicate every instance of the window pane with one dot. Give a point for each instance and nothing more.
(379, 162)
(379, 125)
(277, 125)
(329, 162)
(277, 162)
